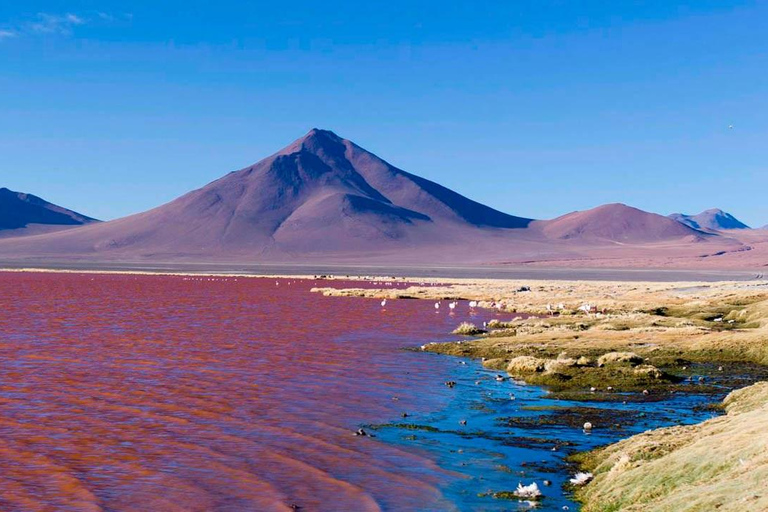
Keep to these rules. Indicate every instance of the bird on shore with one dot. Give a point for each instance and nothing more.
(528, 491)
(581, 478)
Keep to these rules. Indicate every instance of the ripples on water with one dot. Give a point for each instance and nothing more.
(162, 393)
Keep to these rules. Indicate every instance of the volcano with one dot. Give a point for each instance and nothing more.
(320, 194)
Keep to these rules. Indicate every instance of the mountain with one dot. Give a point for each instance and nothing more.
(713, 219)
(324, 199)
(617, 223)
(25, 212)
(320, 194)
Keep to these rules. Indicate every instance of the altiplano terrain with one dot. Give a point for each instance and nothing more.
(325, 200)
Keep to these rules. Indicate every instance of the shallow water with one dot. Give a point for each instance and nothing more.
(163, 393)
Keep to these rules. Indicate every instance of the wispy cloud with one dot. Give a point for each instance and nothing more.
(55, 23)
(59, 24)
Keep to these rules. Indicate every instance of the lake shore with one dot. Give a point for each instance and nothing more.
(637, 341)
(619, 341)
(343, 270)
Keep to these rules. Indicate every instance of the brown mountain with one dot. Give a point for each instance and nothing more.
(713, 219)
(617, 223)
(323, 199)
(22, 213)
(321, 194)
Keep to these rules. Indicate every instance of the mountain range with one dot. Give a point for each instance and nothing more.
(325, 199)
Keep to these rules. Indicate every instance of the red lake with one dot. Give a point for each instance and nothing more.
(191, 393)
(165, 393)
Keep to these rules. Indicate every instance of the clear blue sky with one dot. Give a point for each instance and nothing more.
(535, 107)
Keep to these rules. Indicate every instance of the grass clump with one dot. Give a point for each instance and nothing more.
(468, 329)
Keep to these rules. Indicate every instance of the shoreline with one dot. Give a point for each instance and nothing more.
(420, 272)
(643, 340)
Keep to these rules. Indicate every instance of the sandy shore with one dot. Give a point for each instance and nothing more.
(646, 339)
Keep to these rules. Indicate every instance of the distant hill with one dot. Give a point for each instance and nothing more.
(617, 223)
(713, 219)
(19, 211)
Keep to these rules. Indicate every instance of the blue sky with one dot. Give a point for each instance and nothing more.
(535, 107)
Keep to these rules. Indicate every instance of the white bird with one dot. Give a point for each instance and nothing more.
(383, 302)
(452, 305)
(473, 304)
(587, 426)
(437, 305)
(730, 127)
(528, 491)
(581, 478)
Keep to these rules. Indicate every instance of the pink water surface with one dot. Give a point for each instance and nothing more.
(166, 393)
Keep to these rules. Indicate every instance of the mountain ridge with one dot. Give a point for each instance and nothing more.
(21, 210)
(713, 219)
(323, 198)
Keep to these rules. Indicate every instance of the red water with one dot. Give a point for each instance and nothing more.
(160, 393)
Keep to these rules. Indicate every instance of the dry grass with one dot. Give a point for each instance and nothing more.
(721, 464)
(468, 329)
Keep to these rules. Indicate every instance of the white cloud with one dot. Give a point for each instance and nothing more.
(59, 24)
(55, 23)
